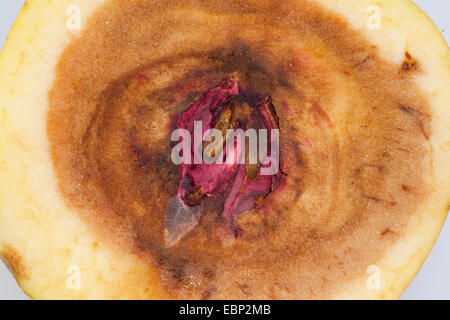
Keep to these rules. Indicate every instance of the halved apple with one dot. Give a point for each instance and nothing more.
(90, 92)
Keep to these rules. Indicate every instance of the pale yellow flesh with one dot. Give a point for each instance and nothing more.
(46, 243)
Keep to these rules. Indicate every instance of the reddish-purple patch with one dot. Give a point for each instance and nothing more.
(241, 187)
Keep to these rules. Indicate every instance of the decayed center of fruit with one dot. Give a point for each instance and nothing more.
(240, 185)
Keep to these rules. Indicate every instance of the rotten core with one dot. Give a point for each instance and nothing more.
(225, 168)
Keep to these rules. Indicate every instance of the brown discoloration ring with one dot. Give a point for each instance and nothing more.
(111, 117)
(14, 262)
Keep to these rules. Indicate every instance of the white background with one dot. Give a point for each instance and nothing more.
(433, 280)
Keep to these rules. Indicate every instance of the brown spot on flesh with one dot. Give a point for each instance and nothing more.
(386, 232)
(409, 62)
(405, 188)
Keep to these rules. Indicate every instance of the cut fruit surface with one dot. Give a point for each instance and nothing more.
(92, 205)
